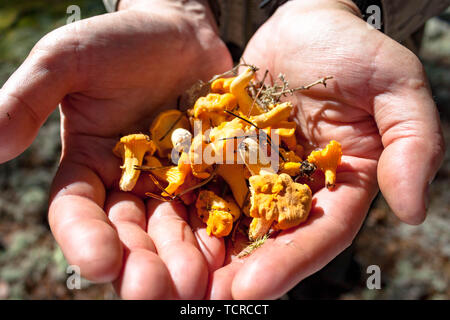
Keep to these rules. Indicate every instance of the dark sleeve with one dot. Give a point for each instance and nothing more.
(402, 18)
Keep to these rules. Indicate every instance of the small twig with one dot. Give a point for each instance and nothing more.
(148, 168)
(158, 197)
(290, 91)
(256, 97)
(201, 184)
(264, 77)
(163, 190)
(285, 85)
(243, 119)
(238, 137)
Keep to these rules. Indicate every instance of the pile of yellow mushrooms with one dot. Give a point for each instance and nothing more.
(230, 126)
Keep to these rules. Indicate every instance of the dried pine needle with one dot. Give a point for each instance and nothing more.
(253, 246)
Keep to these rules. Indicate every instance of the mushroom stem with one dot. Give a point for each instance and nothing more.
(133, 158)
(259, 227)
(330, 178)
(237, 88)
(132, 149)
(233, 174)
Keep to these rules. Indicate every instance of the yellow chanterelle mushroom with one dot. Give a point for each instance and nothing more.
(278, 202)
(274, 117)
(327, 160)
(174, 175)
(222, 85)
(238, 88)
(210, 109)
(132, 149)
(218, 213)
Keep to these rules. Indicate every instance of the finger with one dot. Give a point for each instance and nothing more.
(80, 225)
(177, 247)
(408, 122)
(221, 280)
(283, 261)
(144, 274)
(33, 92)
(212, 248)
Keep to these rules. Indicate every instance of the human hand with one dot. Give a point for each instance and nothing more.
(111, 73)
(378, 106)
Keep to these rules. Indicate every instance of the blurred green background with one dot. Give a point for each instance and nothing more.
(414, 261)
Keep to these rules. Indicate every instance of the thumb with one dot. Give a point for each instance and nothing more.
(34, 91)
(413, 147)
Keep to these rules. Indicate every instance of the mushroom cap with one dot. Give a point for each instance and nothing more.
(200, 169)
(327, 158)
(137, 140)
(132, 149)
(292, 165)
(214, 102)
(218, 213)
(210, 109)
(274, 117)
(277, 198)
(222, 85)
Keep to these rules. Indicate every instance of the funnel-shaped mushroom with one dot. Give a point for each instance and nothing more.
(238, 88)
(274, 117)
(277, 201)
(132, 149)
(222, 85)
(218, 213)
(286, 131)
(210, 109)
(327, 160)
(174, 175)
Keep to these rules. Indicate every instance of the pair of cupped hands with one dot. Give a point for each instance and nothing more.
(111, 72)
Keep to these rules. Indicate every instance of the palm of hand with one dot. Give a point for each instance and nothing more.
(128, 73)
(371, 74)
